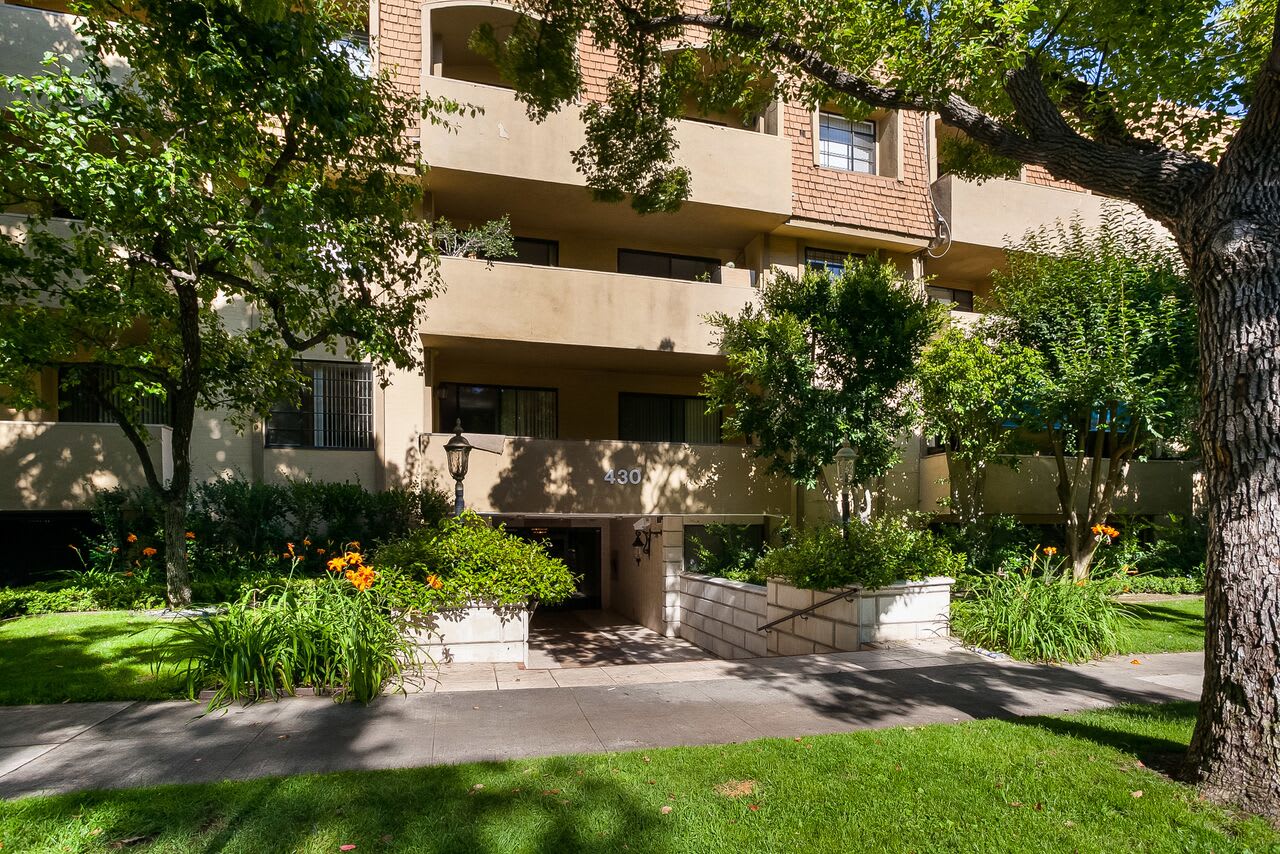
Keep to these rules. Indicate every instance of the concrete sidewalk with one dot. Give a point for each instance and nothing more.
(46, 749)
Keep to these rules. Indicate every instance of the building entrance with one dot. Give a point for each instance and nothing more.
(579, 548)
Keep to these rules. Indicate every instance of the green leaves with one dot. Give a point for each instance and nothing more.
(242, 158)
(824, 358)
(1111, 321)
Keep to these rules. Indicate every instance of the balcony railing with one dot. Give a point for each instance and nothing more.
(557, 305)
(530, 476)
(1153, 487)
(993, 212)
(60, 465)
(731, 167)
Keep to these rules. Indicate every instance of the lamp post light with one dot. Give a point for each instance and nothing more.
(457, 450)
(846, 461)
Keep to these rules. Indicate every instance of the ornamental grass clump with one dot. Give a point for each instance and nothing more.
(339, 635)
(1039, 612)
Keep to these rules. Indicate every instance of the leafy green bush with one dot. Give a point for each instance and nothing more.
(725, 551)
(338, 634)
(467, 560)
(1174, 548)
(995, 542)
(1166, 584)
(240, 528)
(1039, 613)
(874, 554)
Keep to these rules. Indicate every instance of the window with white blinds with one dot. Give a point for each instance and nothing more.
(336, 409)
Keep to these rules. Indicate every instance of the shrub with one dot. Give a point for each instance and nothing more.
(726, 551)
(995, 542)
(874, 554)
(467, 560)
(1174, 548)
(241, 528)
(338, 634)
(1039, 613)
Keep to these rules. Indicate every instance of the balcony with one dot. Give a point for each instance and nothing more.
(731, 168)
(558, 305)
(512, 475)
(59, 466)
(1154, 487)
(993, 212)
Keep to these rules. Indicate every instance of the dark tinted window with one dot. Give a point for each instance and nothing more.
(691, 268)
(666, 418)
(501, 410)
(84, 392)
(529, 250)
(957, 299)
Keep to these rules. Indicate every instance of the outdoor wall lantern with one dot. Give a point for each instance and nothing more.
(457, 450)
(640, 545)
(846, 462)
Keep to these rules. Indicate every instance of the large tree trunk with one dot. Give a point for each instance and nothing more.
(1232, 247)
(176, 575)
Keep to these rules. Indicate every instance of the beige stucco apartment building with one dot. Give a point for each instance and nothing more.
(576, 369)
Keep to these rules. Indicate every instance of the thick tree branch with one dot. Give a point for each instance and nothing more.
(1158, 179)
(131, 433)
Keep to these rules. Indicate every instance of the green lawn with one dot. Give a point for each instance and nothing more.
(103, 656)
(1176, 625)
(1076, 783)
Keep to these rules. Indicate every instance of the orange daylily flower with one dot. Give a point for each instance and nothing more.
(319, 551)
(434, 582)
(191, 535)
(132, 538)
(148, 551)
(1050, 550)
(336, 564)
(290, 547)
(306, 541)
(361, 579)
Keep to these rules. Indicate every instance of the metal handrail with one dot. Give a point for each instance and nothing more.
(847, 595)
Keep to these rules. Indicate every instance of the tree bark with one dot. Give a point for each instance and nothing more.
(1235, 752)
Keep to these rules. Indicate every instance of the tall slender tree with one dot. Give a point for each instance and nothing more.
(1173, 105)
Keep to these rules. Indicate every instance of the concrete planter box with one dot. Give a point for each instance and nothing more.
(479, 633)
(906, 611)
(722, 616)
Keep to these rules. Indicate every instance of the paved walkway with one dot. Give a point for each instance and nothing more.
(45, 749)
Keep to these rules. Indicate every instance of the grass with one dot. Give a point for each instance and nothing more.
(1075, 783)
(52, 658)
(1175, 625)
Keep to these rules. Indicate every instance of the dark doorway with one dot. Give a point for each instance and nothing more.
(579, 548)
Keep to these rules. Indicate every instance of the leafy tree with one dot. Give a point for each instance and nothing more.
(823, 358)
(1172, 105)
(1109, 317)
(240, 194)
(970, 389)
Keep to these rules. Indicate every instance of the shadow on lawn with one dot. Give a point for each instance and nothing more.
(56, 667)
(435, 809)
(1157, 753)
(1176, 618)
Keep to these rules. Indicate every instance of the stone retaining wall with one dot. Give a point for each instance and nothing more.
(909, 610)
(722, 616)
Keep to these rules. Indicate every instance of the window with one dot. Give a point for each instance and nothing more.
(666, 418)
(828, 259)
(847, 145)
(501, 410)
(355, 48)
(958, 300)
(82, 388)
(530, 250)
(691, 268)
(336, 409)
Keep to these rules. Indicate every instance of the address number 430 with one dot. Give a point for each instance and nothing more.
(623, 476)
